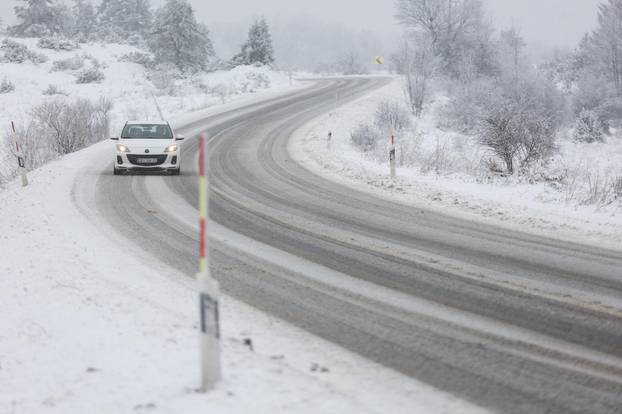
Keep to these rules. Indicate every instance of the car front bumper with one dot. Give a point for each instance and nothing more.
(147, 162)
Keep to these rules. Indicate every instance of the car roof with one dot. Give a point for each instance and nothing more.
(144, 122)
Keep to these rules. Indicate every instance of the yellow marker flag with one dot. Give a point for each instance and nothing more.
(379, 60)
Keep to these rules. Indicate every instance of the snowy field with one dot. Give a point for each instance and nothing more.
(442, 171)
(130, 86)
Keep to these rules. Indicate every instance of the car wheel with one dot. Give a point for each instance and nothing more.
(116, 171)
(176, 172)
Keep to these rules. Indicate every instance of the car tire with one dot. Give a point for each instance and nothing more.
(116, 171)
(176, 172)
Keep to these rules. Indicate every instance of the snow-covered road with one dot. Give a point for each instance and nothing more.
(90, 320)
(512, 321)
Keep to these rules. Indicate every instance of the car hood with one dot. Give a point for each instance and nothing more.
(154, 145)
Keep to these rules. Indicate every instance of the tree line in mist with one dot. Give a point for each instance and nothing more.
(171, 32)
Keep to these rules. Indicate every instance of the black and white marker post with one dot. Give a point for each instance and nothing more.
(208, 287)
(21, 161)
(392, 154)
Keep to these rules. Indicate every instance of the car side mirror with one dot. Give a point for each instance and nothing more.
(114, 138)
(180, 138)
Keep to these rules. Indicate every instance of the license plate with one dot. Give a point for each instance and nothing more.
(147, 160)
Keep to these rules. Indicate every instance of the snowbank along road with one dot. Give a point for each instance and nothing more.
(510, 321)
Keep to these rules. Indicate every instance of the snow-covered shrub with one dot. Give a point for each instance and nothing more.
(588, 127)
(601, 191)
(139, 58)
(163, 78)
(366, 137)
(70, 125)
(69, 64)
(222, 90)
(392, 115)
(258, 80)
(15, 52)
(54, 90)
(90, 75)
(57, 43)
(36, 144)
(6, 86)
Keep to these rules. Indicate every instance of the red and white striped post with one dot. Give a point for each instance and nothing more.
(392, 154)
(208, 286)
(21, 162)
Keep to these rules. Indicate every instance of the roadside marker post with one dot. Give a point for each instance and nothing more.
(209, 290)
(392, 155)
(21, 161)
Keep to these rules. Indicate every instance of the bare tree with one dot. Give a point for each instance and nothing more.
(451, 25)
(417, 64)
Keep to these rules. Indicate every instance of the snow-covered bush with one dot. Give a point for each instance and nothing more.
(366, 137)
(588, 127)
(69, 64)
(6, 86)
(70, 125)
(57, 43)
(15, 52)
(392, 115)
(54, 90)
(258, 80)
(90, 75)
(140, 58)
(163, 78)
(222, 90)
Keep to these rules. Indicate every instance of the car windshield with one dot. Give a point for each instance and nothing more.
(147, 131)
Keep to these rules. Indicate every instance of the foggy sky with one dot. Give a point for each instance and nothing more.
(550, 22)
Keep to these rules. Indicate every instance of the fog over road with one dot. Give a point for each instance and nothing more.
(513, 322)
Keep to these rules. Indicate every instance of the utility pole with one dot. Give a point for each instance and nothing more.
(208, 287)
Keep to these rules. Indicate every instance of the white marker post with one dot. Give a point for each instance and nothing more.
(208, 287)
(21, 161)
(392, 155)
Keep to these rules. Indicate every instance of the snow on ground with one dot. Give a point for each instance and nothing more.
(88, 325)
(463, 191)
(128, 85)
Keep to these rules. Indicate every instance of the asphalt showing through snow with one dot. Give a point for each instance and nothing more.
(510, 321)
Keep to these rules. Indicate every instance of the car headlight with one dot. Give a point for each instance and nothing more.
(171, 148)
(122, 148)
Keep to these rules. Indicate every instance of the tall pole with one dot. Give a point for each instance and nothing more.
(21, 162)
(208, 287)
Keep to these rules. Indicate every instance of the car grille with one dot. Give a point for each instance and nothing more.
(153, 159)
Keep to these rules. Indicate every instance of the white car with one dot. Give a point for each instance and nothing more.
(147, 146)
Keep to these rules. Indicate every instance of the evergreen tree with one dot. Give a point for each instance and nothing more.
(258, 48)
(39, 18)
(121, 19)
(178, 38)
(85, 21)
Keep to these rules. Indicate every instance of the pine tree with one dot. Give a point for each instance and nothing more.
(258, 48)
(39, 18)
(121, 19)
(85, 19)
(178, 38)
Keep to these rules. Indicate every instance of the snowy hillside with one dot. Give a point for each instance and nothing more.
(130, 87)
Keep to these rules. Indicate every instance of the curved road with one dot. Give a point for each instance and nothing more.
(510, 321)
